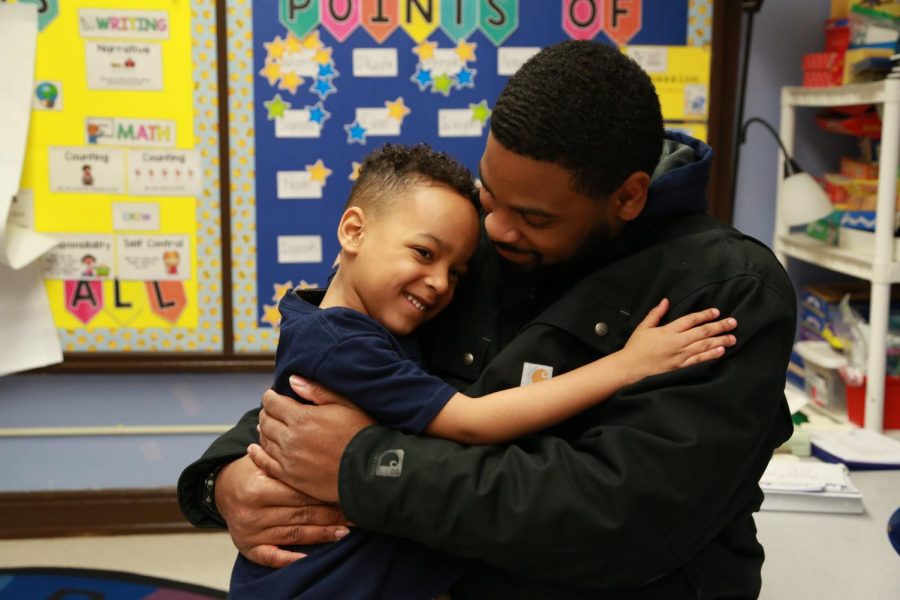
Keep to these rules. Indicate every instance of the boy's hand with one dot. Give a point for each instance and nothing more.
(692, 339)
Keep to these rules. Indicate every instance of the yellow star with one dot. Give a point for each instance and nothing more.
(305, 285)
(396, 109)
(354, 175)
(318, 172)
(466, 51)
(280, 290)
(272, 72)
(290, 81)
(312, 41)
(292, 43)
(271, 315)
(425, 50)
(275, 48)
(322, 56)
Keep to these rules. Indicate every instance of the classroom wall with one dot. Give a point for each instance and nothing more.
(32, 464)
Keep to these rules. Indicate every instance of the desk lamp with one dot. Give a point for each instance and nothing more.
(800, 199)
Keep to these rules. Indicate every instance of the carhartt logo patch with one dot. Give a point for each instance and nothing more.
(389, 463)
(532, 373)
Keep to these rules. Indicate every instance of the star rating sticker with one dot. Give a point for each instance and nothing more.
(355, 133)
(322, 56)
(290, 81)
(292, 43)
(318, 172)
(276, 107)
(397, 109)
(274, 49)
(328, 71)
(312, 41)
(322, 88)
(465, 78)
(272, 72)
(280, 290)
(442, 84)
(422, 77)
(425, 50)
(354, 174)
(317, 113)
(480, 112)
(466, 51)
(271, 315)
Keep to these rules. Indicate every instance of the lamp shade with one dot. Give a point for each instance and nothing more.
(801, 200)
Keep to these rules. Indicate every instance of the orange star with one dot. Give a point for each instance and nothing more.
(271, 315)
(290, 81)
(425, 50)
(322, 56)
(466, 51)
(280, 290)
(397, 109)
(318, 171)
(275, 48)
(272, 72)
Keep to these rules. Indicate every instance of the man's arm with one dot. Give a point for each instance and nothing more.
(662, 469)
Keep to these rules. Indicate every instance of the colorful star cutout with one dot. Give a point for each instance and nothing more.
(465, 78)
(305, 285)
(328, 71)
(397, 109)
(322, 88)
(442, 84)
(292, 43)
(425, 50)
(322, 56)
(480, 111)
(272, 72)
(280, 290)
(290, 81)
(465, 50)
(275, 49)
(318, 171)
(271, 315)
(422, 77)
(317, 113)
(355, 133)
(354, 174)
(312, 41)
(276, 107)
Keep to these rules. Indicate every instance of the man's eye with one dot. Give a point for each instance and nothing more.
(536, 221)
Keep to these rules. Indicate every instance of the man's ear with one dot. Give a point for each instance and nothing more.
(631, 196)
(351, 229)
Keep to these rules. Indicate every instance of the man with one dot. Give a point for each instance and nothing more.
(587, 226)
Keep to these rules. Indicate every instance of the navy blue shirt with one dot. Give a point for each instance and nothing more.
(355, 356)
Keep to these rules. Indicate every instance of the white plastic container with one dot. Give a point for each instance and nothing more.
(823, 383)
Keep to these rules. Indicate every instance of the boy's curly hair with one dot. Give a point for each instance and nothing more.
(586, 107)
(389, 172)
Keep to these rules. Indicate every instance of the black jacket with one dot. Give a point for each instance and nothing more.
(649, 495)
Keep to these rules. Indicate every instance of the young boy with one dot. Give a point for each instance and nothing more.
(407, 234)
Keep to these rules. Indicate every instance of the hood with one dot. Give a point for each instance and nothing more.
(678, 184)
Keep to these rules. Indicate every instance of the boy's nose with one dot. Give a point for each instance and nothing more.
(439, 281)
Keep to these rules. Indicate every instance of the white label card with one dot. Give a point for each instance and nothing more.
(377, 121)
(299, 249)
(296, 124)
(511, 58)
(165, 173)
(87, 170)
(123, 23)
(80, 256)
(124, 66)
(142, 216)
(297, 185)
(375, 62)
(153, 257)
(458, 122)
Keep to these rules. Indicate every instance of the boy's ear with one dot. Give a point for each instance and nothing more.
(351, 229)
(631, 197)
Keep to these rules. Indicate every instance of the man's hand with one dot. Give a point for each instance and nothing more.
(302, 445)
(263, 513)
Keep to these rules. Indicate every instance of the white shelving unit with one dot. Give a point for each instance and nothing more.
(881, 267)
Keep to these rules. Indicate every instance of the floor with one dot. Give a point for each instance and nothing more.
(199, 558)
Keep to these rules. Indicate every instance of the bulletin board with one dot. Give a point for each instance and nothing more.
(323, 83)
(179, 233)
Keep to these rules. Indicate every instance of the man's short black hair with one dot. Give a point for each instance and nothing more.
(588, 108)
(391, 171)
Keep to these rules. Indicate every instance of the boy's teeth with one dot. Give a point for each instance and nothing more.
(415, 302)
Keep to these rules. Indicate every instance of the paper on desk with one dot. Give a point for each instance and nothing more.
(18, 39)
(860, 447)
(804, 476)
(29, 336)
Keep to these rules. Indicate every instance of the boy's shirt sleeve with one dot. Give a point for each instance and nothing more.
(370, 368)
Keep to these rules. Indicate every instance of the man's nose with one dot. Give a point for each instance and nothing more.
(500, 228)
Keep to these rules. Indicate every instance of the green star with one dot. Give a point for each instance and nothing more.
(276, 107)
(442, 84)
(480, 112)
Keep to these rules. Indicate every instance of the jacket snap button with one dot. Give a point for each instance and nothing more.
(601, 329)
(468, 358)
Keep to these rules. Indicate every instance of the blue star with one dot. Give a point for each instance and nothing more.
(328, 71)
(422, 77)
(355, 133)
(465, 78)
(322, 88)
(317, 113)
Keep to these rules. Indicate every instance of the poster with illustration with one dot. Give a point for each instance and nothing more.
(333, 80)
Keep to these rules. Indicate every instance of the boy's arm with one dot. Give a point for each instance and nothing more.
(651, 350)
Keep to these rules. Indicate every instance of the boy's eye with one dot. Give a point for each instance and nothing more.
(424, 253)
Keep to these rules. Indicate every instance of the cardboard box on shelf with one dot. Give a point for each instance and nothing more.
(823, 69)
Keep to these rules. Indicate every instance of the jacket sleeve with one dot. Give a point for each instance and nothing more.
(228, 447)
(647, 482)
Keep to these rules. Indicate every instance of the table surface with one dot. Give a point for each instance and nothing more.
(820, 556)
